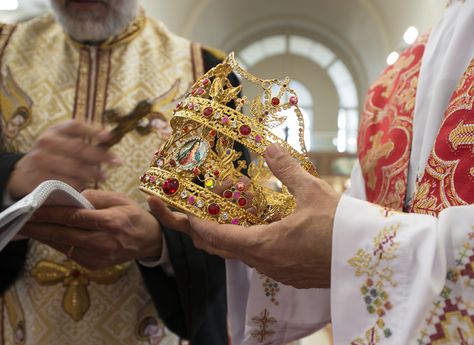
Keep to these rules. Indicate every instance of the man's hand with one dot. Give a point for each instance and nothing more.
(295, 250)
(118, 230)
(65, 152)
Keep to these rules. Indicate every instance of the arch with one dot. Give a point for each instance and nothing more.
(325, 58)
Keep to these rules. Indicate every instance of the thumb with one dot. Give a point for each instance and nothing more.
(287, 170)
(171, 220)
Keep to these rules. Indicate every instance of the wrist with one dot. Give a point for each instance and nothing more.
(155, 248)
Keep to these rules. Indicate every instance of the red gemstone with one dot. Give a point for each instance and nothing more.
(207, 111)
(275, 101)
(75, 273)
(193, 92)
(216, 173)
(213, 209)
(245, 130)
(196, 171)
(227, 194)
(170, 186)
(294, 100)
(205, 81)
(240, 186)
(142, 178)
(172, 163)
(242, 202)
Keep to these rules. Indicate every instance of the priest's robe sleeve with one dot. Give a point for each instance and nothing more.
(397, 278)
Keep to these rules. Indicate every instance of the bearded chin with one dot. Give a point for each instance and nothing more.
(92, 27)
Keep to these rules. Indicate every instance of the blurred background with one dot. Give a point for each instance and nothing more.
(331, 49)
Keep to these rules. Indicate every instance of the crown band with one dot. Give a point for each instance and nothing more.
(232, 124)
(185, 194)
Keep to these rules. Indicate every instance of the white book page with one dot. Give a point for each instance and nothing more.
(53, 193)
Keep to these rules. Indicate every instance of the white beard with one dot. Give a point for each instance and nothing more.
(93, 27)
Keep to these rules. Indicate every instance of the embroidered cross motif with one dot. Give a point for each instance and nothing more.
(75, 279)
(264, 322)
(271, 289)
(379, 276)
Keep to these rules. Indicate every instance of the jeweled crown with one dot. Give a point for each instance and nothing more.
(200, 153)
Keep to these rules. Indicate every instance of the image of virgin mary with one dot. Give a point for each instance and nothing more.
(192, 154)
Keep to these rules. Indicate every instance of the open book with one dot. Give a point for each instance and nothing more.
(53, 193)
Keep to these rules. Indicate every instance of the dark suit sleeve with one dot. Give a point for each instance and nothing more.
(12, 258)
(193, 303)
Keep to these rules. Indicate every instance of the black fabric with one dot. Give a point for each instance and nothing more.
(193, 304)
(12, 258)
(12, 261)
(7, 163)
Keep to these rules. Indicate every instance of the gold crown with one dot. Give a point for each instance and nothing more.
(200, 153)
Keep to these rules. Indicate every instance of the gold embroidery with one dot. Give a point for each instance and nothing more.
(439, 191)
(15, 106)
(379, 276)
(371, 159)
(408, 96)
(264, 322)
(76, 279)
(102, 78)
(387, 79)
(197, 60)
(424, 203)
(80, 104)
(16, 315)
(463, 134)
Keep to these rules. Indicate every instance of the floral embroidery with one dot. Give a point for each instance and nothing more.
(379, 276)
(271, 288)
(264, 322)
(451, 320)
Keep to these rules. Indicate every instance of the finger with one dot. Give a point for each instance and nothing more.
(171, 220)
(221, 187)
(61, 167)
(75, 128)
(72, 217)
(287, 170)
(101, 199)
(227, 237)
(61, 234)
(76, 148)
(200, 244)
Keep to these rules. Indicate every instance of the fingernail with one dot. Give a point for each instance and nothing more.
(272, 150)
